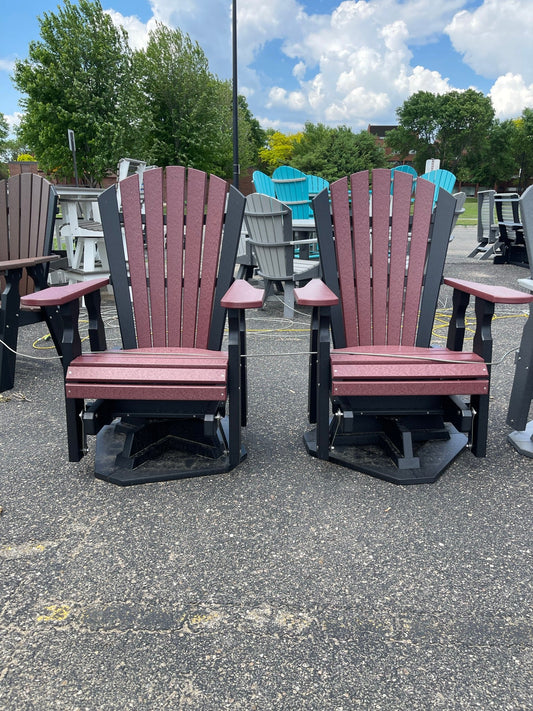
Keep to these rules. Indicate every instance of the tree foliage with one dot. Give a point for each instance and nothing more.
(447, 126)
(77, 76)
(4, 145)
(187, 111)
(335, 152)
(522, 146)
(278, 149)
(161, 104)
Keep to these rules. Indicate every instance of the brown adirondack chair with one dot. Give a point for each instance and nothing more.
(398, 406)
(167, 388)
(27, 216)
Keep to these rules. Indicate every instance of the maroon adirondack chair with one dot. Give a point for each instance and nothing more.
(166, 390)
(27, 217)
(402, 410)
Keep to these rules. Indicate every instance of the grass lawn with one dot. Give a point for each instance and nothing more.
(469, 216)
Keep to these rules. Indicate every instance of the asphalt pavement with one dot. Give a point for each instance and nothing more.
(287, 584)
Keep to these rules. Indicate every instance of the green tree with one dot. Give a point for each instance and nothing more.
(335, 152)
(4, 146)
(447, 126)
(465, 120)
(78, 76)
(278, 149)
(522, 147)
(187, 110)
(417, 130)
(495, 160)
(251, 136)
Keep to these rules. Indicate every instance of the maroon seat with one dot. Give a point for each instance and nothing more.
(402, 410)
(27, 217)
(166, 390)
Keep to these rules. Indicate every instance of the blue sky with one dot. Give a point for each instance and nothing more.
(351, 62)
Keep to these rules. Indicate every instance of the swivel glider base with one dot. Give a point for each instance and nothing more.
(521, 440)
(433, 457)
(164, 456)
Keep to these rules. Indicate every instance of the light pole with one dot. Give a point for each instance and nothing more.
(236, 167)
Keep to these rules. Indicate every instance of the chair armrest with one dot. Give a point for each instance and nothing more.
(494, 294)
(27, 262)
(59, 295)
(304, 241)
(242, 295)
(315, 293)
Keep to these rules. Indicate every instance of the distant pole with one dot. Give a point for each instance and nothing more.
(72, 146)
(236, 167)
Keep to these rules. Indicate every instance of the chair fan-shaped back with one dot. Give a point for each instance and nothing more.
(389, 271)
(263, 183)
(173, 254)
(292, 189)
(27, 215)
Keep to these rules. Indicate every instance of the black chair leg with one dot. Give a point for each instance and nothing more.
(9, 325)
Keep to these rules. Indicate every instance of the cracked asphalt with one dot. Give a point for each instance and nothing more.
(287, 584)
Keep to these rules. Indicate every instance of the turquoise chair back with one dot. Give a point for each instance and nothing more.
(263, 183)
(442, 179)
(291, 189)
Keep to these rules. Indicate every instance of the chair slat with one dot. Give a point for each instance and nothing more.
(401, 202)
(4, 232)
(362, 255)
(398, 370)
(345, 256)
(35, 241)
(377, 388)
(146, 374)
(25, 208)
(380, 253)
(164, 358)
(175, 237)
(133, 228)
(214, 226)
(417, 258)
(196, 195)
(14, 219)
(155, 243)
(145, 392)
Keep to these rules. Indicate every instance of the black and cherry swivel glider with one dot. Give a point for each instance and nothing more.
(171, 387)
(401, 410)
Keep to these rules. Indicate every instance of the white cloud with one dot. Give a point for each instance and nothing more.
(495, 38)
(13, 120)
(137, 30)
(353, 65)
(358, 58)
(7, 65)
(510, 95)
(294, 100)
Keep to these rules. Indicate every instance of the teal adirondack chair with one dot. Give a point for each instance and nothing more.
(315, 185)
(442, 179)
(291, 189)
(403, 169)
(263, 184)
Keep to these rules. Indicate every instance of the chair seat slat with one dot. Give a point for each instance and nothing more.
(121, 391)
(409, 371)
(146, 374)
(409, 387)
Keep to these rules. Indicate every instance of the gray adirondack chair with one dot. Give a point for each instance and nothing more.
(460, 199)
(488, 233)
(269, 225)
(522, 390)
